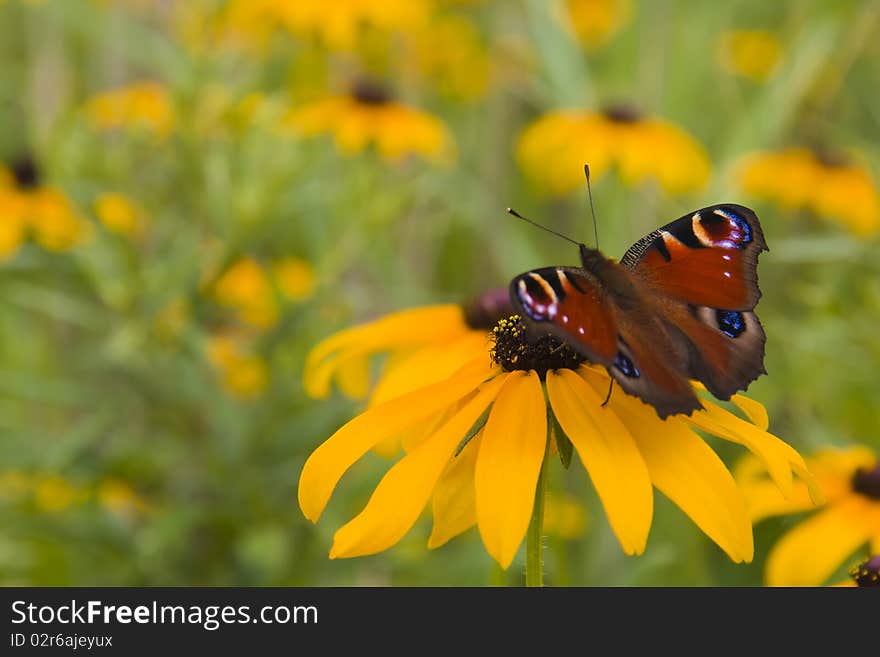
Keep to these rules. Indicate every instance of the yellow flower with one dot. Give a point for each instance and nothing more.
(450, 53)
(55, 223)
(808, 554)
(53, 493)
(244, 374)
(295, 278)
(368, 116)
(553, 150)
(246, 287)
(120, 215)
(753, 54)
(594, 22)
(120, 499)
(474, 444)
(338, 24)
(145, 105)
(801, 179)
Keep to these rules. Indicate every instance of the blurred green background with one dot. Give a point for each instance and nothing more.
(169, 252)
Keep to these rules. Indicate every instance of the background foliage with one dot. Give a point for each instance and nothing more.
(153, 425)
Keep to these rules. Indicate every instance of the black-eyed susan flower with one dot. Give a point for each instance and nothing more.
(368, 116)
(486, 427)
(119, 214)
(752, 54)
(42, 212)
(141, 105)
(552, 150)
(244, 373)
(831, 186)
(809, 553)
(594, 22)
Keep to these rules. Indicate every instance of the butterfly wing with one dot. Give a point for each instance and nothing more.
(702, 268)
(584, 309)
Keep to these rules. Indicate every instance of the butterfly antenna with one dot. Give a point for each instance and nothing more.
(537, 225)
(592, 209)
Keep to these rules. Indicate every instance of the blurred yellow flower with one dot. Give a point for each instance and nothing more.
(54, 493)
(244, 374)
(553, 150)
(752, 54)
(339, 23)
(120, 499)
(119, 214)
(801, 179)
(594, 22)
(485, 427)
(295, 278)
(369, 116)
(809, 554)
(144, 105)
(55, 223)
(451, 54)
(245, 286)
(564, 517)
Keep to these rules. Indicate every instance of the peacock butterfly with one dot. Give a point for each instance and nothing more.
(678, 306)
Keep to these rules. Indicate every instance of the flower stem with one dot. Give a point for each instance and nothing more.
(534, 545)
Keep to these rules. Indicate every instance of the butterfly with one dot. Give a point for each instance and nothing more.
(678, 306)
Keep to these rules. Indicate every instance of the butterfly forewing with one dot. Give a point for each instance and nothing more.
(706, 258)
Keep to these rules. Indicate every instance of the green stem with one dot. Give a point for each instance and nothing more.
(534, 545)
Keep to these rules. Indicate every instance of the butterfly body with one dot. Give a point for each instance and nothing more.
(678, 306)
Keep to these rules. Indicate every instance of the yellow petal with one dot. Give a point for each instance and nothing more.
(428, 365)
(763, 497)
(755, 411)
(332, 458)
(416, 326)
(354, 378)
(778, 457)
(404, 490)
(714, 503)
(685, 469)
(810, 553)
(610, 455)
(508, 465)
(453, 503)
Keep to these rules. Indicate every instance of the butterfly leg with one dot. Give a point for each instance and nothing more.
(608, 396)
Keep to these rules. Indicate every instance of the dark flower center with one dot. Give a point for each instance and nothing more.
(515, 349)
(26, 173)
(370, 92)
(484, 311)
(867, 573)
(622, 113)
(867, 482)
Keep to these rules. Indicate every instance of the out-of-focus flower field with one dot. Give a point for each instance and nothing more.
(195, 194)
